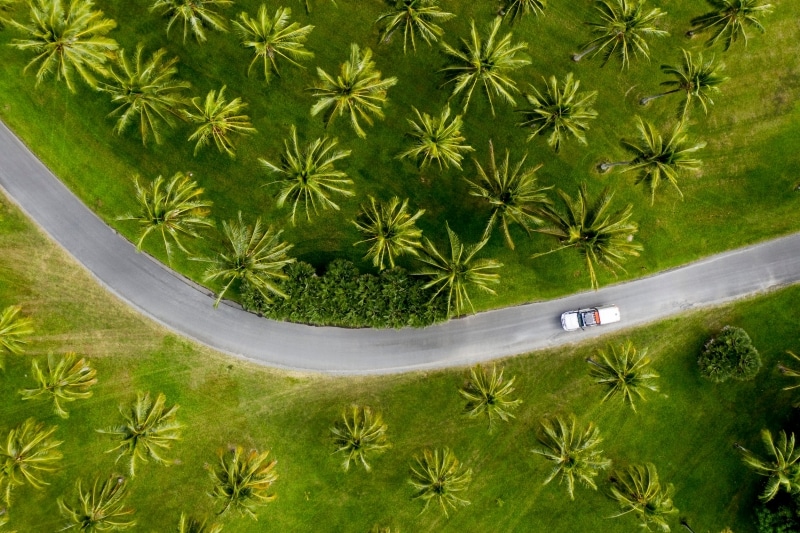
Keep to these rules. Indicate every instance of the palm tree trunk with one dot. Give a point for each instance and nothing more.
(646, 100)
(605, 167)
(577, 57)
(685, 523)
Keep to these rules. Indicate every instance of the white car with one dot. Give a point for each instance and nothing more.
(593, 316)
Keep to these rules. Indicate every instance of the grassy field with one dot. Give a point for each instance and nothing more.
(744, 194)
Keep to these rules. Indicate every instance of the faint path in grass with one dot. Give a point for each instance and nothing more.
(187, 309)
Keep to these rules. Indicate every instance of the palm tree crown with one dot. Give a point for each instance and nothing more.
(514, 9)
(99, 509)
(390, 230)
(14, 329)
(218, 119)
(729, 19)
(242, 480)
(488, 395)
(782, 468)
(192, 525)
(434, 138)
(65, 380)
(27, 452)
(438, 476)
(416, 18)
(624, 372)
(196, 15)
(638, 490)
(361, 432)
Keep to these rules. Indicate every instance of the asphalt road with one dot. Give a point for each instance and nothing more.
(186, 309)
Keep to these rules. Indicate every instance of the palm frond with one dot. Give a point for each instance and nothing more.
(729, 19)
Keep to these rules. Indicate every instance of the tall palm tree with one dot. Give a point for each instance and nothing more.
(602, 237)
(625, 372)
(242, 480)
(250, 254)
(561, 110)
(26, 453)
(65, 380)
(358, 90)
(196, 15)
(513, 193)
(416, 18)
(218, 119)
(272, 38)
(573, 450)
(514, 9)
(638, 490)
(782, 468)
(149, 429)
(438, 477)
(390, 230)
(488, 62)
(437, 138)
(729, 19)
(360, 433)
(145, 92)
(622, 30)
(67, 39)
(488, 395)
(14, 330)
(455, 273)
(172, 209)
(191, 525)
(100, 509)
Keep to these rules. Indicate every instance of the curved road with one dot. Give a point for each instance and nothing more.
(187, 309)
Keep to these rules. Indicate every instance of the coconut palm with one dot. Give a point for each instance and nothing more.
(242, 479)
(638, 490)
(360, 433)
(437, 139)
(272, 38)
(514, 9)
(573, 450)
(149, 429)
(488, 62)
(622, 30)
(561, 110)
(218, 119)
(14, 330)
(250, 254)
(190, 525)
(454, 274)
(513, 193)
(625, 372)
(196, 15)
(390, 230)
(100, 509)
(145, 92)
(67, 40)
(26, 453)
(488, 395)
(172, 209)
(65, 380)
(358, 90)
(782, 468)
(415, 18)
(729, 19)
(438, 476)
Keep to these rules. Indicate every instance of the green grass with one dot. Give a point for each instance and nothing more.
(745, 193)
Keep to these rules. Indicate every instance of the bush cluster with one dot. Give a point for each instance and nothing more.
(730, 354)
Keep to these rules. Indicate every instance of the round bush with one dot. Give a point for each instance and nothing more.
(730, 354)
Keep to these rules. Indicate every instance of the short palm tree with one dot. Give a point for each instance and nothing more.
(242, 480)
(417, 18)
(625, 372)
(360, 433)
(390, 230)
(26, 453)
(573, 450)
(638, 490)
(782, 468)
(14, 330)
(172, 209)
(454, 274)
(196, 15)
(489, 395)
(100, 509)
(514, 9)
(437, 139)
(358, 90)
(67, 40)
(218, 119)
(65, 380)
(272, 38)
(561, 111)
(729, 19)
(622, 30)
(484, 61)
(438, 476)
(149, 429)
(191, 525)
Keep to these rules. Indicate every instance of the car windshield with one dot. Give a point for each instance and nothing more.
(589, 318)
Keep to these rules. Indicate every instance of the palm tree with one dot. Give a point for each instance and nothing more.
(729, 19)
(357, 90)
(513, 193)
(514, 9)
(455, 273)
(242, 479)
(782, 468)
(67, 40)
(389, 229)
(573, 450)
(273, 37)
(657, 159)
(416, 18)
(145, 92)
(252, 255)
(66, 380)
(27, 452)
(562, 111)
(190, 525)
(149, 428)
(13, 331)
(438, 476)
(625, 373)
(434, 138)
(638, 490)
(174, 210)
(101, 509)
(622, 30)
(487, 394)
(488, 62)
(361, 432)
(197, 15)
(307, 174)
(602, 237)
(218, 119)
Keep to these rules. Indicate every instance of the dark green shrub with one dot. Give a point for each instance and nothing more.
(730, 354)
(782, 519)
